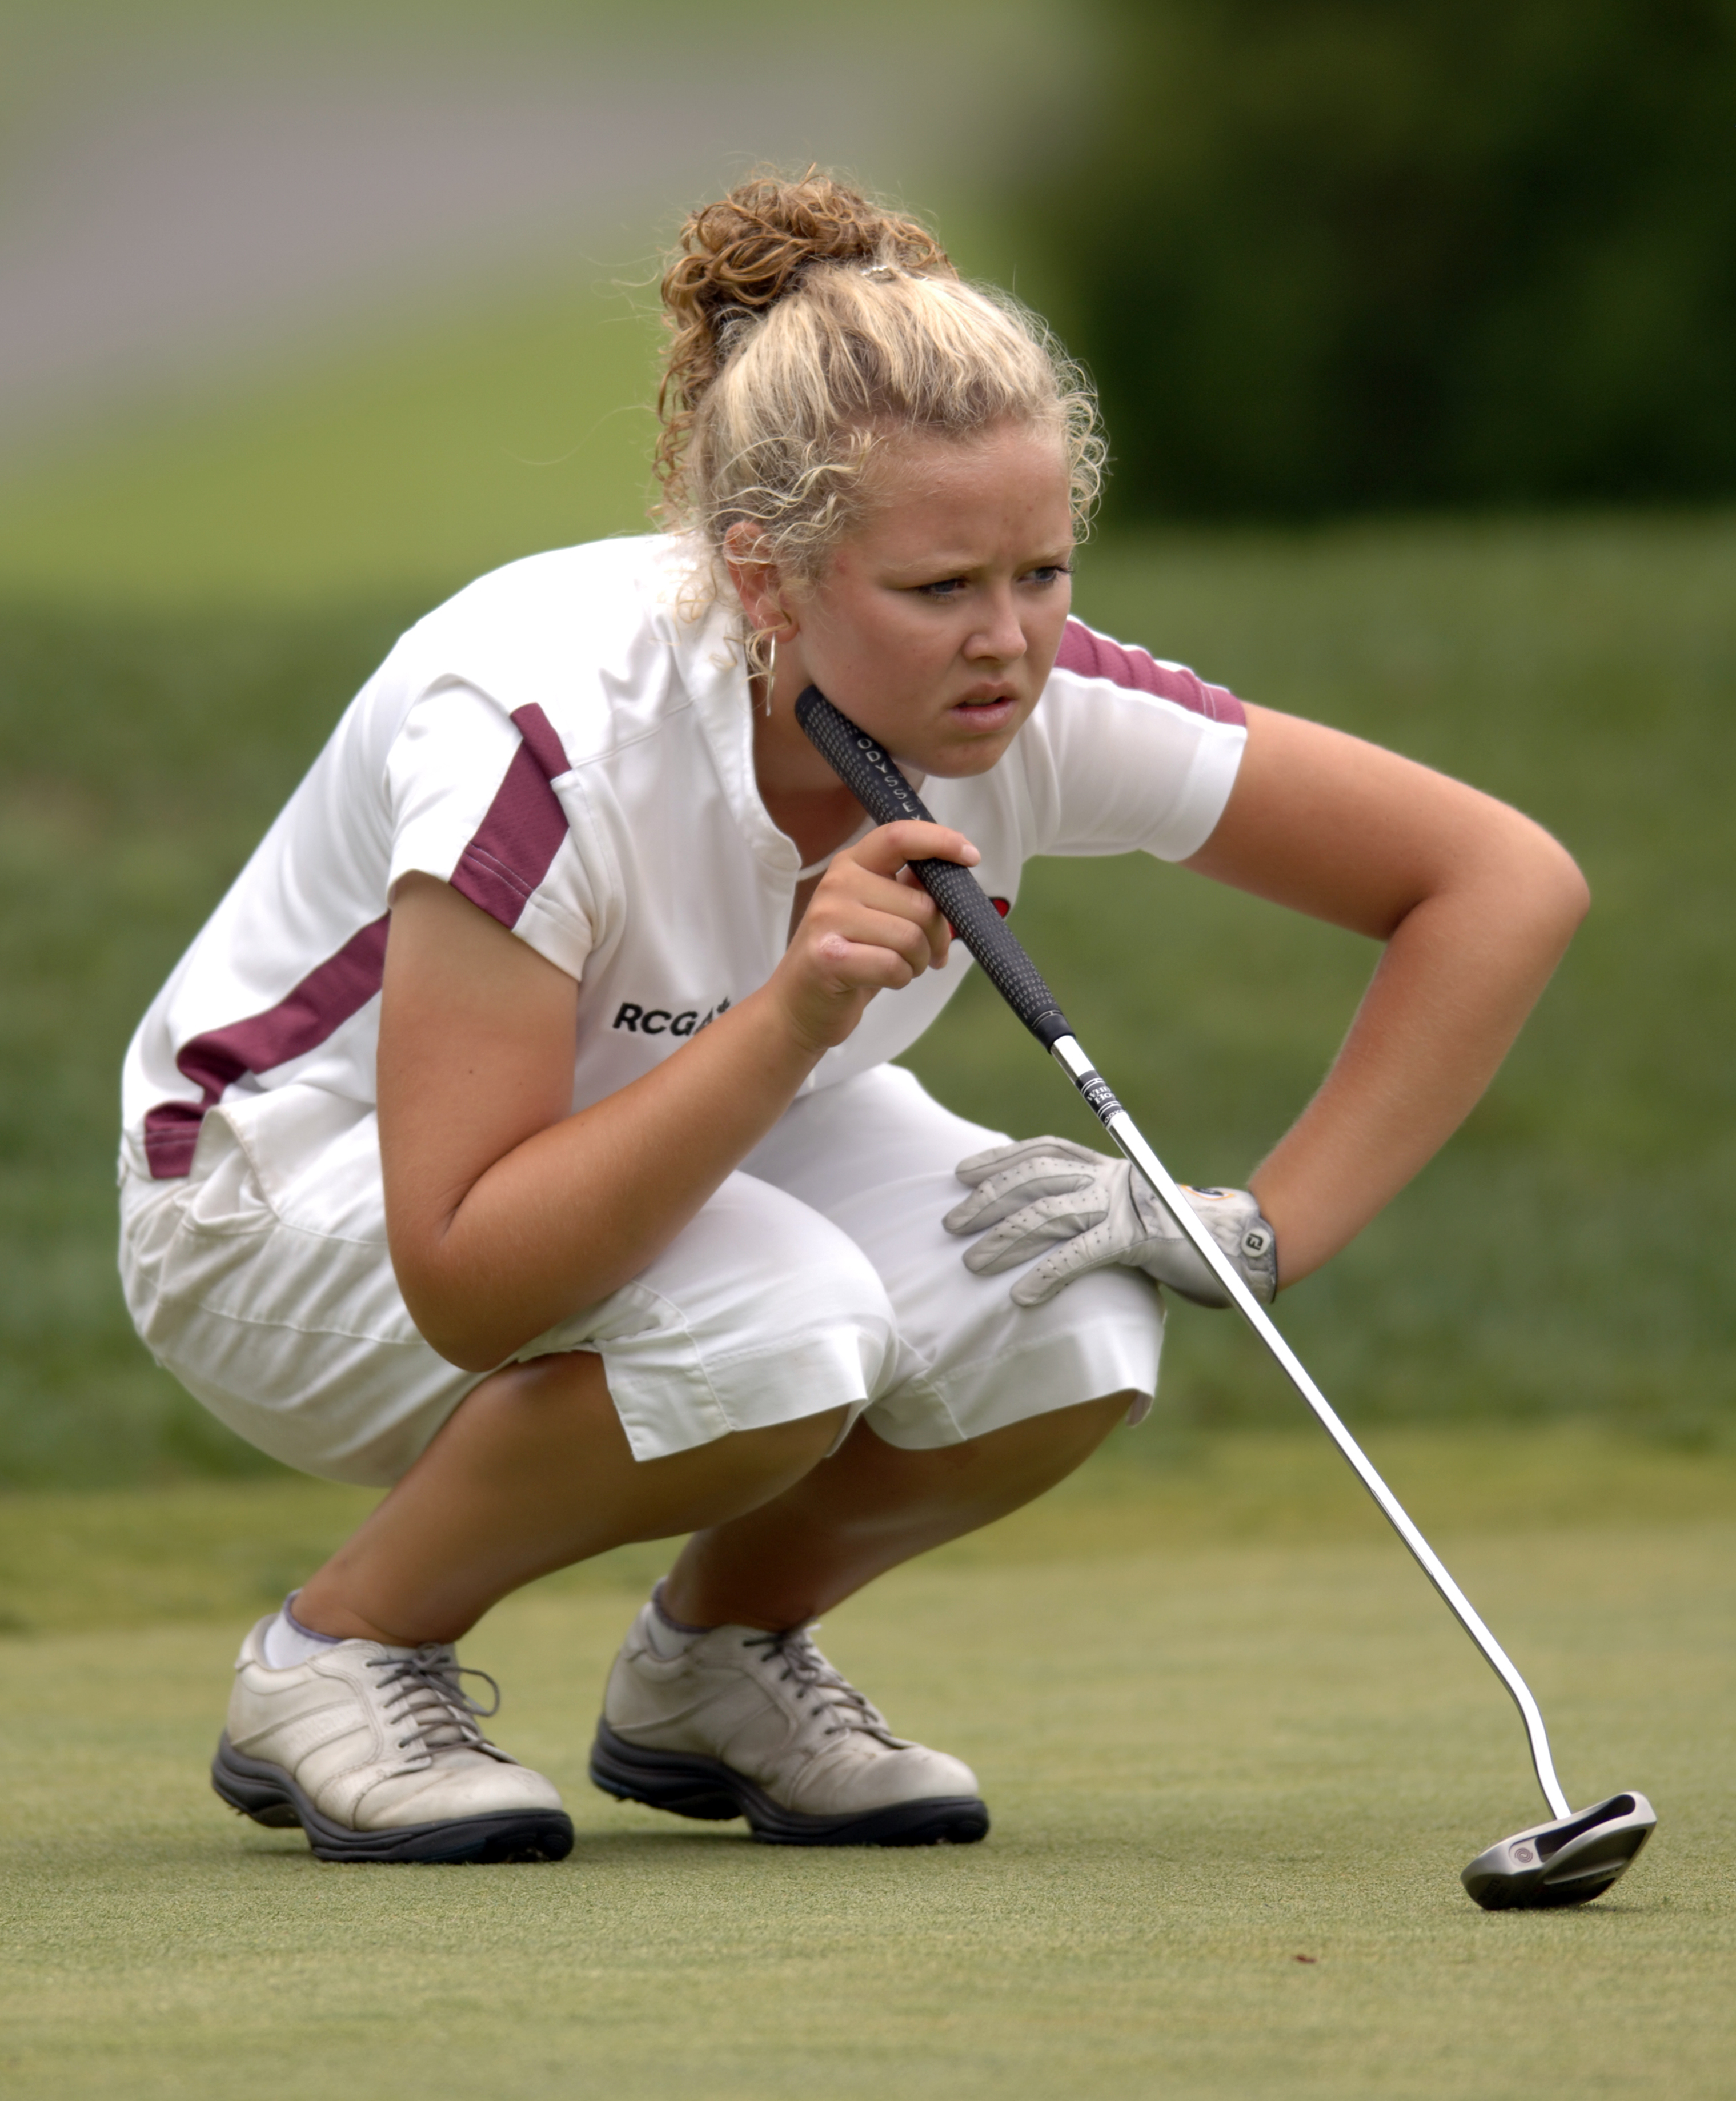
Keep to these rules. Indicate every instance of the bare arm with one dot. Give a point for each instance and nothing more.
(507, 1213)
(1476, 904)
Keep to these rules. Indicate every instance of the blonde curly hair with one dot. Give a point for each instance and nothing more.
(807, 325)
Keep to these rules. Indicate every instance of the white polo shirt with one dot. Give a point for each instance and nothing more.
(570, 747)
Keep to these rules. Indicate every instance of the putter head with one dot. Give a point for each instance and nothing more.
(1568, 1862)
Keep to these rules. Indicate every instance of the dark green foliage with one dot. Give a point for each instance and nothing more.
(1329, 254)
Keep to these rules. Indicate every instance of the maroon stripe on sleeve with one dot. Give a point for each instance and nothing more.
(520, 837)
(546, 747)
(300, 1022)
(1091, 655)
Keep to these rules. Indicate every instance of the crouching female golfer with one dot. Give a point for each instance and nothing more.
(520, 1131)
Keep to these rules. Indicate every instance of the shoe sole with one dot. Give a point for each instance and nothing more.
(269, 1796)
(709, 1789)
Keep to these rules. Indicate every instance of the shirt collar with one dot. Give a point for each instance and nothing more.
(706, 644)
(705, 640)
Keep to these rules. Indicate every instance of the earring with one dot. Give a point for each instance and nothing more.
(771, 671)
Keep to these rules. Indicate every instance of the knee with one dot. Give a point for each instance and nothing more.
(1088, 1422)
(711, 1484)
(1019, 1458)
(780, 1453)
(1055, 1443)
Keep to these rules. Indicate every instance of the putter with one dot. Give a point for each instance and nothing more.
(1568, 1860)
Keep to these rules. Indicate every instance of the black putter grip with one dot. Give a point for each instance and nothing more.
(875, 782)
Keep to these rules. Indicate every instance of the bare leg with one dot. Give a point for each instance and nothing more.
(867, 1509)
(533, 1472)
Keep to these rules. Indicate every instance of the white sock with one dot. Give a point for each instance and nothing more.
(288, 1642)
(668, 1636)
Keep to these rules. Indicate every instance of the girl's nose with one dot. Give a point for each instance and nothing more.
(1000, 637)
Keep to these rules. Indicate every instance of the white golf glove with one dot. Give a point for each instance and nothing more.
(1087, 1211)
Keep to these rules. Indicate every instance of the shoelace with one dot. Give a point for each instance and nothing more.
(804, 1666)
(423, 1689)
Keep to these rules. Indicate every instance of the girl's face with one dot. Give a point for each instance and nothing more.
(936, 624)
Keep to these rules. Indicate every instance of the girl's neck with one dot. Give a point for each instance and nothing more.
(803, 797)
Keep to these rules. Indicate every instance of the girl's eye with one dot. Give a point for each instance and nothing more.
(1049, 572)
(947, 587)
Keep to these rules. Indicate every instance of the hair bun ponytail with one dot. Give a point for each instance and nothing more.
(739, 255)
(810, 327)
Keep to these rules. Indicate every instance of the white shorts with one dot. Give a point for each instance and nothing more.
(818, 1276)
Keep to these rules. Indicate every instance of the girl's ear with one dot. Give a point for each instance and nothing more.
(758, 582)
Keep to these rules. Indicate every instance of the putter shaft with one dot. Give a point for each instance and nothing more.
(1070, 1057)
(873, 777)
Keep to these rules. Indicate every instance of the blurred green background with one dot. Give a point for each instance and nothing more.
(303, 322)
(1331, 253)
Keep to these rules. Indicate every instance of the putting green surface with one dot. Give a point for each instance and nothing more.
(1235, 1751)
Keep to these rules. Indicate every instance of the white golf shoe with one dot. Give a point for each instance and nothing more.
(743, 1723)
(375, 1753)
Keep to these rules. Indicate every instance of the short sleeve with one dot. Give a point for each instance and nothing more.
(474, 798)
(1132, 754)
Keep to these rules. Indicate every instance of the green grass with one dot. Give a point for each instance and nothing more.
(434, 452)
(1570, 1251)
(1569, 1254)
(77, 1560)
(1221, 1724)
(140, 761)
